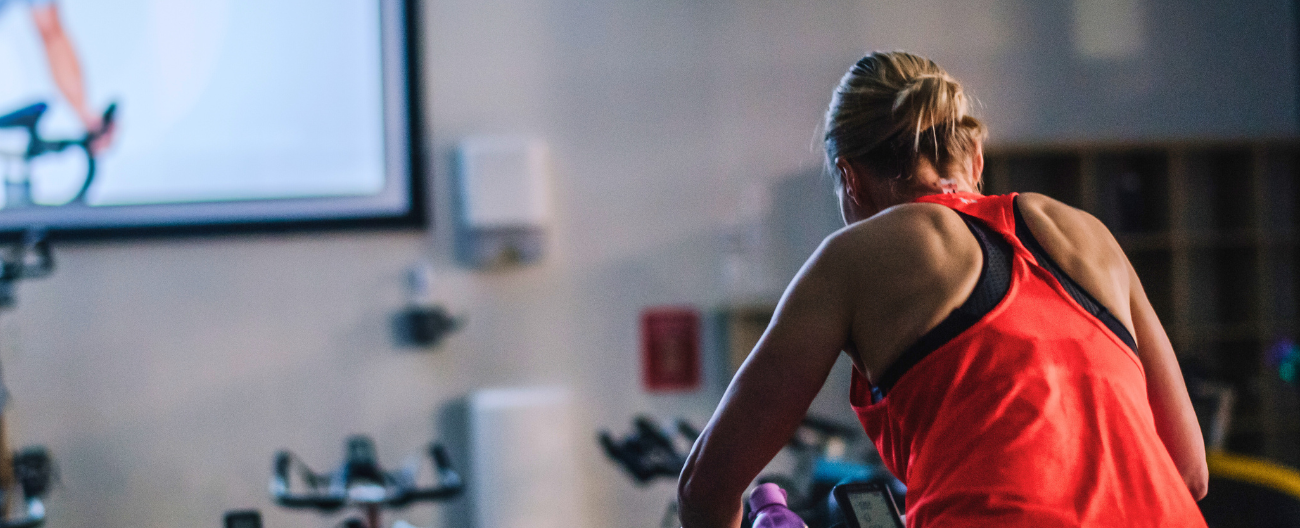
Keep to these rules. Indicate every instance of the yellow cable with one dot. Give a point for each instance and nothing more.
(1256, 471)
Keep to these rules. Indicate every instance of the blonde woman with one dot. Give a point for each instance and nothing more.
(1008, 365)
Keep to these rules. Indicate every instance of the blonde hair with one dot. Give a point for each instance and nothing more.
(894, 108)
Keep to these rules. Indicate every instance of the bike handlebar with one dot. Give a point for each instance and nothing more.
(648, 452)
(39, 146)
(449, 482)
(360, 481)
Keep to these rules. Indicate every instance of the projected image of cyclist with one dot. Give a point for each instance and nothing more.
(133, 113)
(75, 156)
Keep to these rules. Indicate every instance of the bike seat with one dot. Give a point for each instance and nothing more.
(25, 117)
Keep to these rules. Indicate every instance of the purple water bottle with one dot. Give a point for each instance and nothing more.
(768, 509)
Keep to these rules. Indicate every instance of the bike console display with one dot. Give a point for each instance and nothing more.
(867, 505)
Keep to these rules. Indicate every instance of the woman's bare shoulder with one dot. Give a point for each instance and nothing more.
(900, 272)
(1047, 212)
(1084, 248)
(908, 237)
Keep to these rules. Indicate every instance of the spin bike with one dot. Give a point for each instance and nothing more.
(651, 452)
(820, 448)
(361, 483)
(32, 159)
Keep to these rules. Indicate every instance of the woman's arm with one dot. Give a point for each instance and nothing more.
(64, 65)
(1175, 419)
(768, 397)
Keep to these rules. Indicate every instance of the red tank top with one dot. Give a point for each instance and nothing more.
(1036, 415)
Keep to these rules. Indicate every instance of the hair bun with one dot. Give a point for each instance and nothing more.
(927, 101)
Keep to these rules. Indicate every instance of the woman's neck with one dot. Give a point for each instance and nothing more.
(925, 180)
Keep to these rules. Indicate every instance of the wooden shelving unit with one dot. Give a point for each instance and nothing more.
(1212, 230)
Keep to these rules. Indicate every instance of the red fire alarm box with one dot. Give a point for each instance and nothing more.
(670, 348)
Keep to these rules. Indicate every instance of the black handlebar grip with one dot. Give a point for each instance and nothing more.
(645, 425)
(281, 465)
(326, 503)
(688, 430)
(441, 460)
(607, 442)
(650, 433)
(449, 482)
(110, 113)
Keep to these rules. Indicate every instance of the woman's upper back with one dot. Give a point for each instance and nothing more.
(909, 267)
(1025, 406)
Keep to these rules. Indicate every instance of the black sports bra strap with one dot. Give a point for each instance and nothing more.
(992, 286)
(1080, 295)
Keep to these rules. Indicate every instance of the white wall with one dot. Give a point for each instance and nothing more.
(164, 373)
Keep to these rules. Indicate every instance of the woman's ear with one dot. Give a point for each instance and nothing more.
(849, 180)
(977, 166)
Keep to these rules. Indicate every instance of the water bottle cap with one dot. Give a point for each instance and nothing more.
(766, 495)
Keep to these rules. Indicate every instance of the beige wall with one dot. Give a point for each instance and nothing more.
(164, 373)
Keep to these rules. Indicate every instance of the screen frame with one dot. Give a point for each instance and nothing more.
(402, 70)
(842, 492)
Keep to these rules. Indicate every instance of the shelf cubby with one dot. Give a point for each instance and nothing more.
(1133, 190)
(1282, 301)
(1280, 187)
(1152, 267)
(1219, 190)
(1222, 286)
(1053, 174)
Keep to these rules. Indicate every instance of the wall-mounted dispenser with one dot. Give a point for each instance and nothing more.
(503, 200)
(423, 323)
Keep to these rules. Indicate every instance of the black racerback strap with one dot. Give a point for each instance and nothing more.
(992, 286)
(1080, 295)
